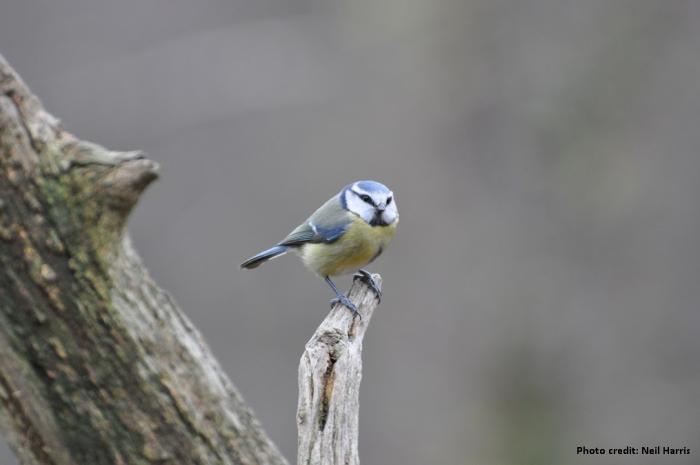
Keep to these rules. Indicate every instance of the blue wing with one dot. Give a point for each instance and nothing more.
(327, 224)
(312, 233)
(331, 233)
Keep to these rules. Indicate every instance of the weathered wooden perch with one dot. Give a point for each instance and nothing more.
(97, 363)
(330, 372)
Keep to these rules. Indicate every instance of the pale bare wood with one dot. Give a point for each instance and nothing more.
(97, 363)
(330, 372)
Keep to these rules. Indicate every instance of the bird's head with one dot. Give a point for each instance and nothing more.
(371, 201)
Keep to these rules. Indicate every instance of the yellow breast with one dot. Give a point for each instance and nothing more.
(360, 244)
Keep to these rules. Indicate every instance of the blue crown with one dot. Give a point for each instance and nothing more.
(372, 186)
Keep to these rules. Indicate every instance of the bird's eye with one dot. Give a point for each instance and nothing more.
(366, 198)
(388, 201)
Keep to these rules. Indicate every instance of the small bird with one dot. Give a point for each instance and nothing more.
(345, 234)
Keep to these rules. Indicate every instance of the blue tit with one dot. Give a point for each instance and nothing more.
(348, 232)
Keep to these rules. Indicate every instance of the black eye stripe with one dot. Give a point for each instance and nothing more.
(366, 198)
(388, 201)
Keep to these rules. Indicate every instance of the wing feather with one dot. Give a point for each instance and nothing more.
(301, 235)
(327, 224)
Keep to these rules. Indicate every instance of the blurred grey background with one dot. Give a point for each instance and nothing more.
(542, 291)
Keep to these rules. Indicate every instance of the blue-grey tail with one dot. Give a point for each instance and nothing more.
(257, 260)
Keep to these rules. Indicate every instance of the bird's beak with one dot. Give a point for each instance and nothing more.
(381, 207)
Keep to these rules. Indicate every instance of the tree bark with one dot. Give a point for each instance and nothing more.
(330, 372)
(97, 364)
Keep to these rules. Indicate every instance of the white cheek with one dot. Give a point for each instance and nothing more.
(359, 207)
(391, 213)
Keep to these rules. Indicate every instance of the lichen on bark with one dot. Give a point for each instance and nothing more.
(97, 364)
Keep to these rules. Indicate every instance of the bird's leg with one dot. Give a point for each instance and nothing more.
(366, 277)
(340, 297)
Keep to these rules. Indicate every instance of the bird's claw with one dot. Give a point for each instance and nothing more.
(366, 277)
(345, 301)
